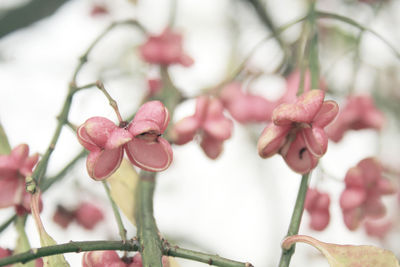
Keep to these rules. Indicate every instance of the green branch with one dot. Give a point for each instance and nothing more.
(354, 23)
(295, 220)
(147, 231)
(130, 245)
(209, 259)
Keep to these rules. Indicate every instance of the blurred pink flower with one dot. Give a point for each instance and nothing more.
(209, 123)
(154, 86)
(317, 204)
(362, 196)
(165, 49)
(88, 215)
(297, 131)
(378, 228)
(110, 258)
(358, 113)
(141, 140)
(13, 170)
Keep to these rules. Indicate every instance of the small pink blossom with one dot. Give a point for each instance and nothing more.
(378, 227)
(88, 215)
(141, 140)
(317, 205)
(362, 196)
(246, 107)
(297, 131)
(209, 123)
(13, 170)
(359, 113)
(165, 49)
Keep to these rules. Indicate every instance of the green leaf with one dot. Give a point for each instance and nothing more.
(45, 238)
(347, 255)
(22, 242)
(123, 185)
(5, 147)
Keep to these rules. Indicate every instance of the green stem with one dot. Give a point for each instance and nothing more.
(209, 259)
(22, 240)
(295, 220)
(354, 23)
(147, 231)
(77, 247)
(117, 215)
(7, 222)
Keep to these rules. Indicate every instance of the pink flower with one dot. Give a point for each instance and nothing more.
(154, 86)
(297, 131)
(358, 113)
(110, 258)
(141, 140)
(362, 196)
(13, 170)
(88, 215)
(246, 107)
(378, 228)
(209, 123)
(317, 204)
(165, 49)
(63, 217)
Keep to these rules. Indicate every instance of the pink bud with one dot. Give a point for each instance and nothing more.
(63, 217)
(165, 49)
(88, 215)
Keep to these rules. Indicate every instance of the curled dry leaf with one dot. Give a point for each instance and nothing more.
(347, 255)
(123, 187)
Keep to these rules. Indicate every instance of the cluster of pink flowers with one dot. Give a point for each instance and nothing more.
(165, 49)
(209, 123)
(358, 113)
(317, 204)
(141, 140)
(111, 258)
(297, 131)
(362, 196)
(14, 168)
(86, 215)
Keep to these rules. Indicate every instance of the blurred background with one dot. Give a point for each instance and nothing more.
(237, 206)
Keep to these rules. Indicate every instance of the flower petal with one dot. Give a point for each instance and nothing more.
(352, 218)
(316, 140)
(212, 147)
(28, 165)
(151, 116)
(319, 220)
(352, 198)
(102, 163)
(98, 130)
(297, 156)
(117, 138)
(11, 190)
(185, 130)
(303, 110)
(218, 128)
(272, 139)
(84, 139)
(326, 114)
(150, 156)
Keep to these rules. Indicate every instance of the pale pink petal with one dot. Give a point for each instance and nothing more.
(374, 208)
(316, 140)
(8, 169)
(297, 156)
(336, 130)
(303, 110)
(319, 220)
(28, 165)
(371, 169)
(88, 215)
(201, 108)
(117, 138)
(378, 228)
(185, 130)
(150, 156)
(98, 130)
(84, 139)
(19, 154)
(154, 85)
(272, 139)
(259, 108)
(186, 60)
(231, 92)
(212, 147)
(11, 191)
(102, 163)
(311, 199)
(386, 187)
(354, 178)
(218, 128)
(352, 218)
(326, 114)
(151, 116)
(323, 202)
(352, 198)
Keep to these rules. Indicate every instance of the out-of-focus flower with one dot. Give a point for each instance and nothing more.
(378, 228)
(110, 258)
(88, 215)
(154, 86)
(358, 113)
(99, 10)
(297, 131)
(141, 140)
(209, 123)
(362, 196)
(317, 204)
(246, 107)
(63, 217)
(165, 49)
(14, 168)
